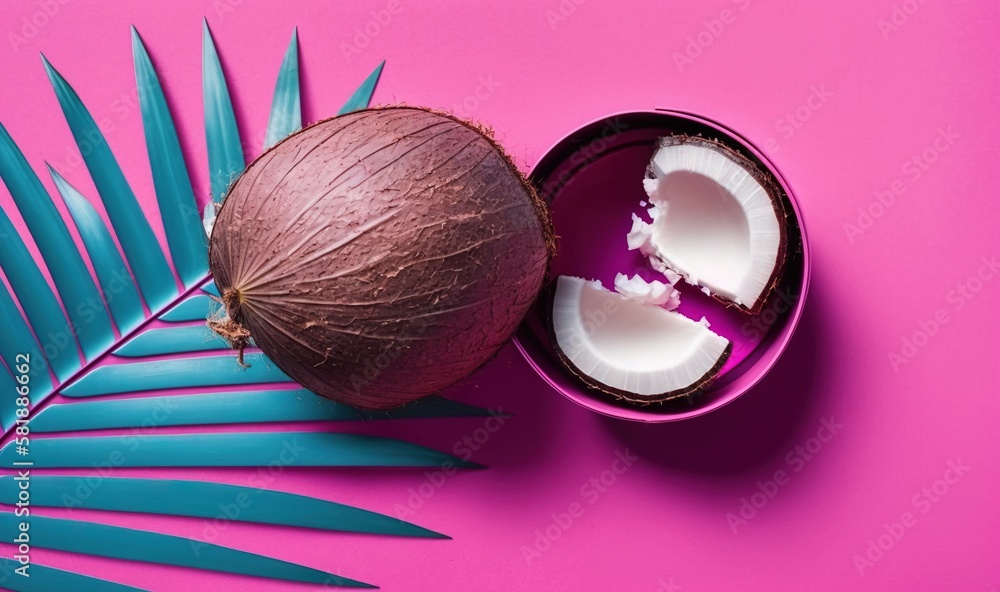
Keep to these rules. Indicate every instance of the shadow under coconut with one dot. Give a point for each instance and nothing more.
(754, 429)
(524, 419)
(536, 418)
(517, 447)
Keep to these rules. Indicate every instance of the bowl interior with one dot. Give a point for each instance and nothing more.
(593, 181)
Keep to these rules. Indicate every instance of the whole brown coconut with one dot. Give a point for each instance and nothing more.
(379, 256)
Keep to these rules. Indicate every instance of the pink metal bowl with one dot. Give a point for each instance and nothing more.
(592, 179)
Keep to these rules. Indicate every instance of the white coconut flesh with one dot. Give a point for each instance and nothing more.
(713, 222)
(630, 347)
(654, 292)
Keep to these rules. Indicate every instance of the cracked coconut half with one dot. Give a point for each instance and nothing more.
(717, 221)
(628, 346)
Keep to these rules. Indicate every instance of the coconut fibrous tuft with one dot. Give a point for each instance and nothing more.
(379, 256)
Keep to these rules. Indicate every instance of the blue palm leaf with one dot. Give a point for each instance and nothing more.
(13, 338)
(196, 307)
(40, 307)
(286, 107)
(158, 345)
(117, 542)
(266, 406)
(149, 265)
(112, 273)
(90, 320)
(47, 579)
(363, 96)
(201, 499)
(181, 218)
(169, 340)
(8, 406)
(222, 136)
(230, 449)
(147, 375)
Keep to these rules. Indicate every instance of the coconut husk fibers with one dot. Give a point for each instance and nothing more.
(379, 256)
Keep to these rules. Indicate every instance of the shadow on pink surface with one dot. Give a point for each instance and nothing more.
(540, 447)
(543, 427)
(756, 428)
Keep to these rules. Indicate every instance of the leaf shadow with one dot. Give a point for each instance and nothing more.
(308, 91)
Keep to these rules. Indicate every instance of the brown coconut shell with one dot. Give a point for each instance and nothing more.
(379, 256)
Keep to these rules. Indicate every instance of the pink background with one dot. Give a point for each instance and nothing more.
(663, 524)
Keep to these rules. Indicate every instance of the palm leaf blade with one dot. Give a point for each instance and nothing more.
(156, 280)
(363, 95)
(8, 406)
(181, 219)
(202, 499)
(69, 273)
(117, 542)
(193, 308)
(115, 279)
(15, 338)
(222, 136)
(172, 340)
(231, 449)
(217, 370)
(151, 359)
(47, 579)
(267, 406)
(39, 303)
(286, 107)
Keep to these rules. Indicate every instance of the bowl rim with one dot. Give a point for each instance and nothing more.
(776, 348)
